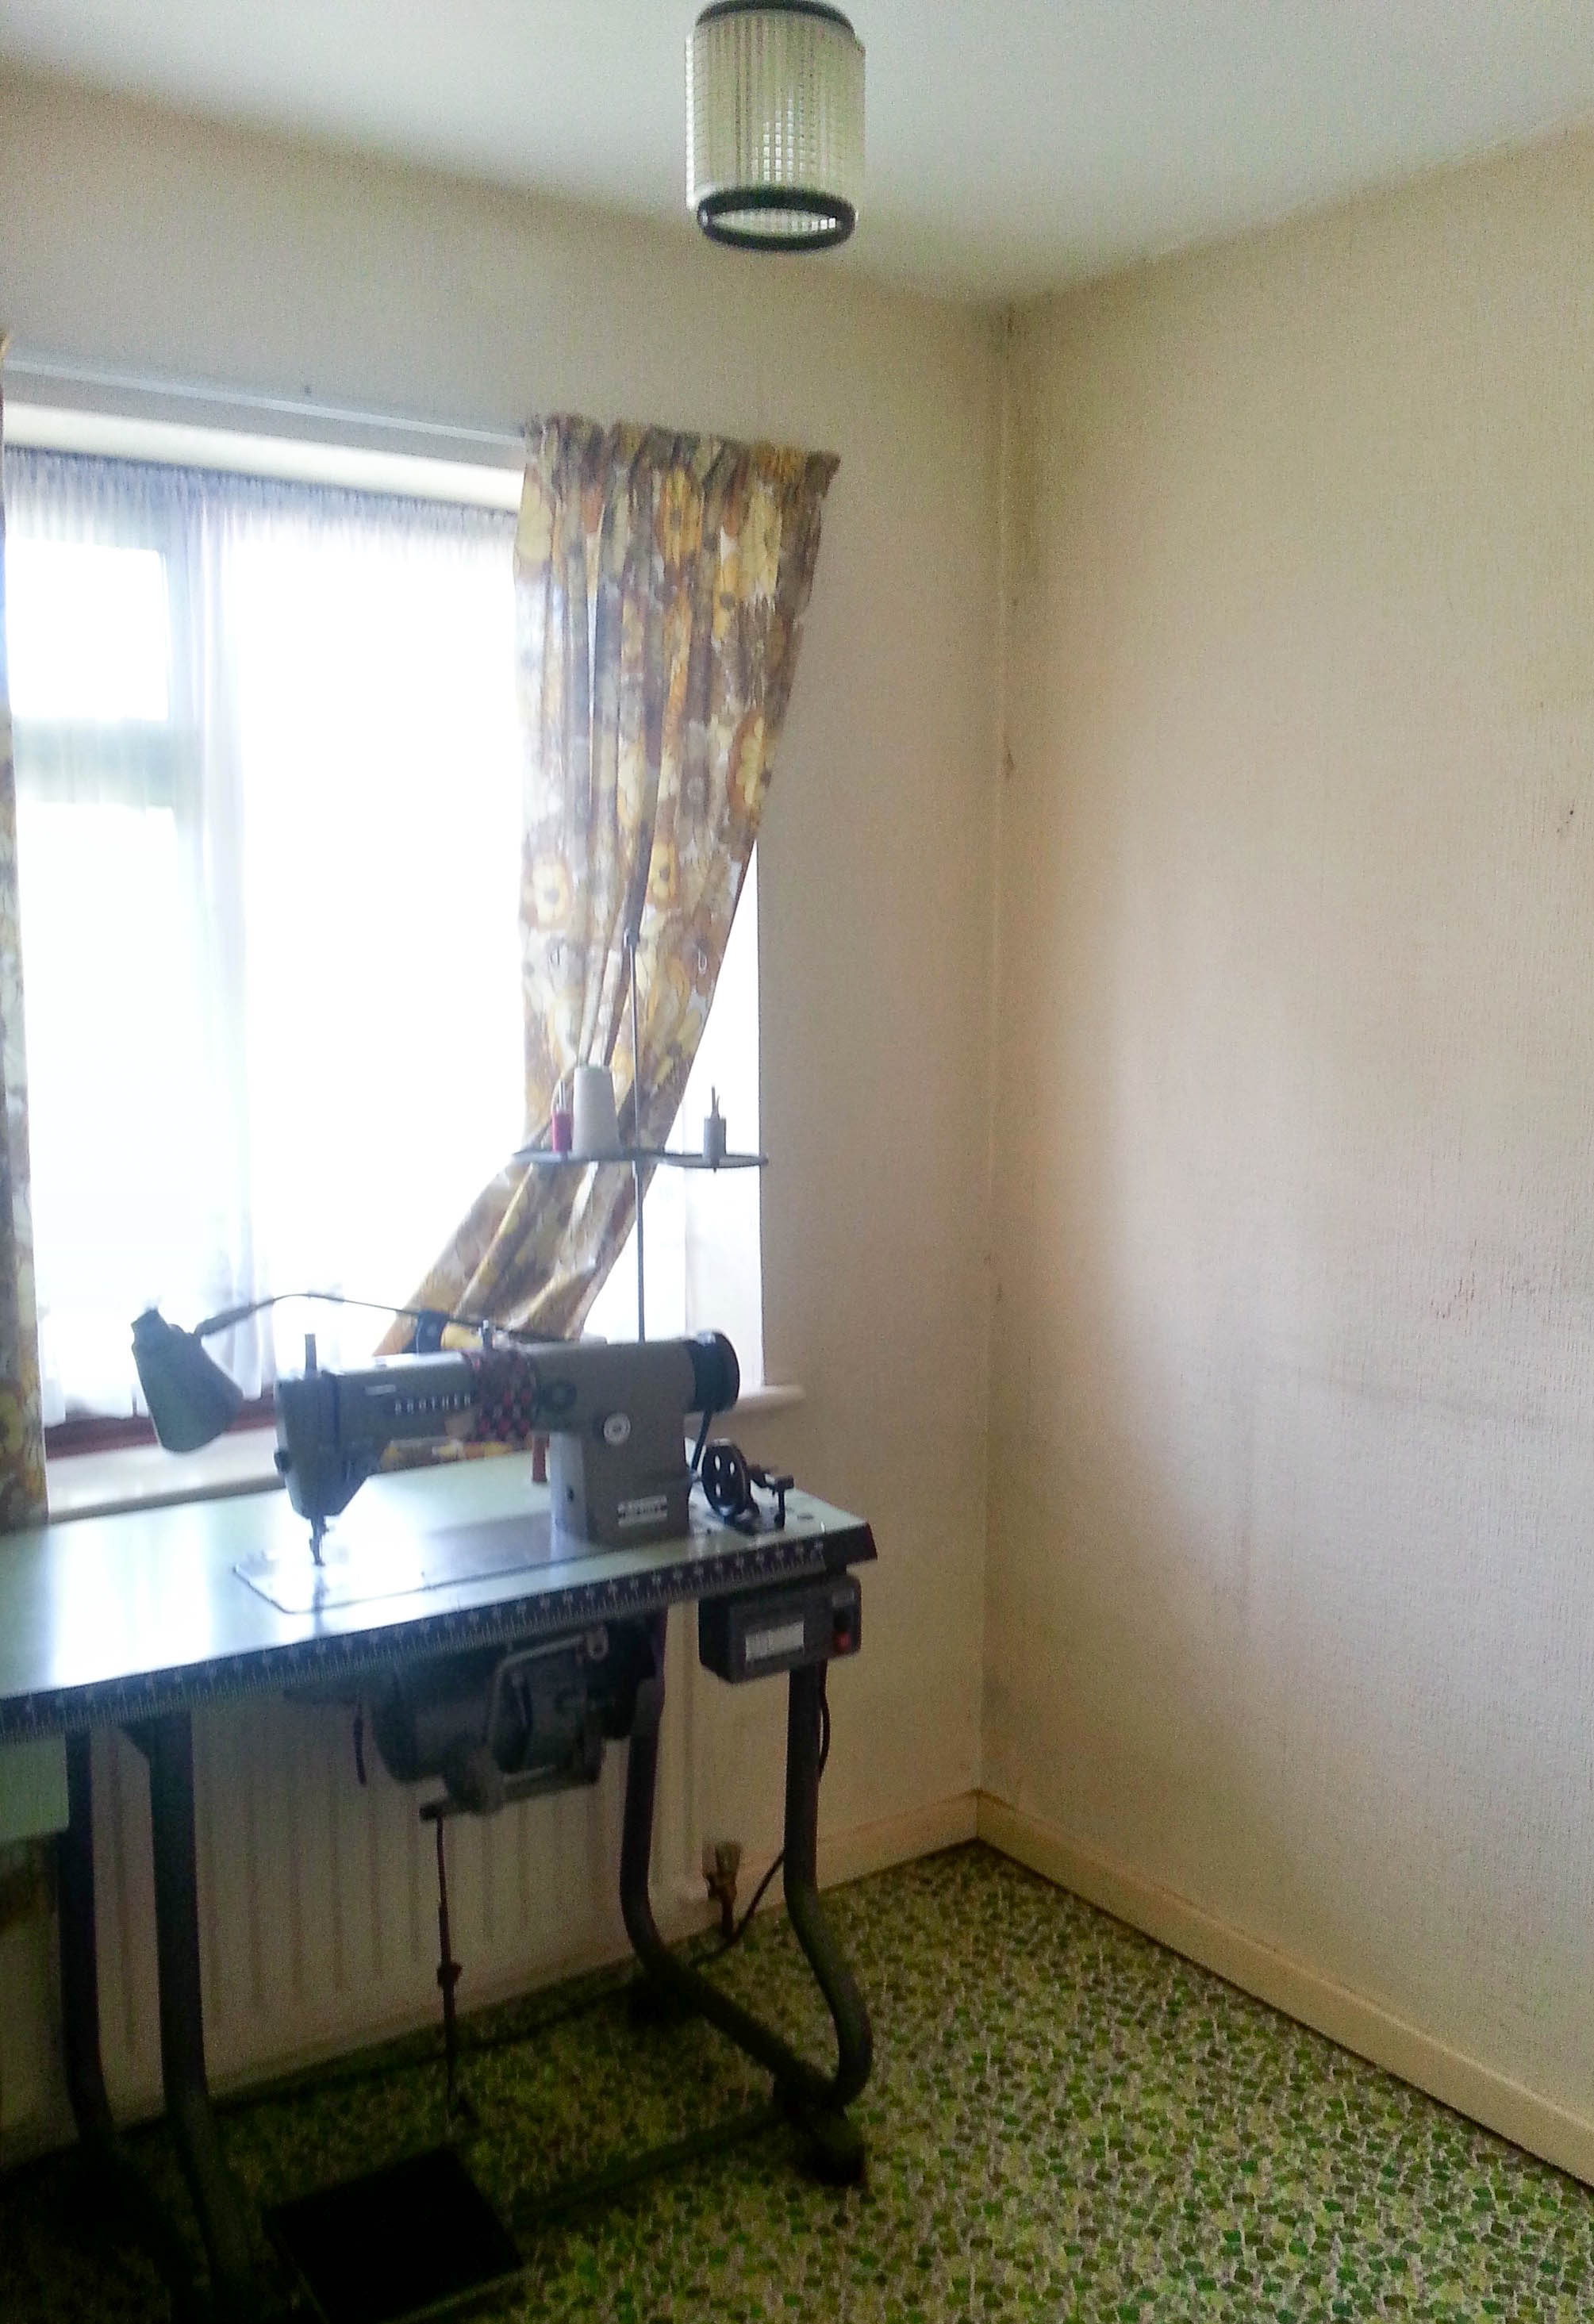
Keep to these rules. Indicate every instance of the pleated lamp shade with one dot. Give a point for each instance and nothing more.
(775, 123)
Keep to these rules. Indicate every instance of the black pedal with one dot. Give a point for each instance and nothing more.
(770, 1630)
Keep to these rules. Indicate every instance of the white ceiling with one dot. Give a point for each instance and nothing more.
(1010, 147)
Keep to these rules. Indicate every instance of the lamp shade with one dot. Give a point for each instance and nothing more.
(775, 123)
(190, 1399)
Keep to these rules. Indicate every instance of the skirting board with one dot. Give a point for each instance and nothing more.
(898, 1839)
(1528, 2120)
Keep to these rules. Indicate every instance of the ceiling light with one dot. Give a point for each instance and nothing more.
(774, 123)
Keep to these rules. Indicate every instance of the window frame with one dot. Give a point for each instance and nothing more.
(156, 762)
(319, 461)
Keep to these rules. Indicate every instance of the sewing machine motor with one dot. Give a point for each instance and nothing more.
(497, 1726)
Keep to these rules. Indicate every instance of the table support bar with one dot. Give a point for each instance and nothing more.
(817, 2099)
(127, 2194)
(168, 1744)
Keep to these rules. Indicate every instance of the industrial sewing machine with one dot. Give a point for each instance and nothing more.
(496, 1631)
(501, 1727)
(497, 1725)
(614, 1416)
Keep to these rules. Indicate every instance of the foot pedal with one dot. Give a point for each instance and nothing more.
(395, 2243)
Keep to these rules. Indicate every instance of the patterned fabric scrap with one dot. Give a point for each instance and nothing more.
(660, 582)
(507, 1394)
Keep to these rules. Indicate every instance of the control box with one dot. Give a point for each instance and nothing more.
(770, 1630)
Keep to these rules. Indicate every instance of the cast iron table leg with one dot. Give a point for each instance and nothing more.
(818, 2099)
(121, 2184)
(167, 1745)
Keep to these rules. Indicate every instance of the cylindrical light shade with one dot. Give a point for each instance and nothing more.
(774, 123)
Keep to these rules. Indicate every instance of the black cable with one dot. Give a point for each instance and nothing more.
(225, 1318)
(708, 1420)
(284, 2088)
(745, 1923)
(741, 1929)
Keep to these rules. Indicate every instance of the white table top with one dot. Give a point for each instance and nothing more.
(109, 1619)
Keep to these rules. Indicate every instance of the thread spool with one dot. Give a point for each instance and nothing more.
(595, 1124)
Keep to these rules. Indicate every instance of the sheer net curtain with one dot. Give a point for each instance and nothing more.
(268, 768)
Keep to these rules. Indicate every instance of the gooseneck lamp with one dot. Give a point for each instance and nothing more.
(775, 123)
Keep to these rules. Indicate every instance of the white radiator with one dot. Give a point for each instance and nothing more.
(318, 1898)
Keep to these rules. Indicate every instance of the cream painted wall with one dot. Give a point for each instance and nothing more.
(131, 239)
(1291, 1587)
(1287, 1603)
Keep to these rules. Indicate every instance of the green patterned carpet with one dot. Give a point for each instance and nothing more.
(1065, 2122)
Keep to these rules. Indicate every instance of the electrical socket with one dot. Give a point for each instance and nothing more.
(722, 1861)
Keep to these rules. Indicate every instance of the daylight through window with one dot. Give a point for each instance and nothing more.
(268, 813)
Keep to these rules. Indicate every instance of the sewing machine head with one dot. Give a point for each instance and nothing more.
(614, 1413)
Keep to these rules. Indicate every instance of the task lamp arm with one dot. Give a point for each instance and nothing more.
(192, 1400)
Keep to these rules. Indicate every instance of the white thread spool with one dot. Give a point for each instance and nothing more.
(595, 1127)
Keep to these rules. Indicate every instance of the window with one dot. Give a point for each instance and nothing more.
(701, 1232)
(268, 773)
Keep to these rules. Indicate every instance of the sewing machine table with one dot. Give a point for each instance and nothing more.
(135, 1620)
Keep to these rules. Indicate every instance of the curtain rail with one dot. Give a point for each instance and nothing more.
(26, 364)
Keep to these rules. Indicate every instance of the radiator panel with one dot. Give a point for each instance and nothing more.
(317, 1897)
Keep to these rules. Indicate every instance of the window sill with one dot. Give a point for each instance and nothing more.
(143, 1477)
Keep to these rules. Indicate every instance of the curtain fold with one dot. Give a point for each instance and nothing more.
(660, 581)
(21, 1434)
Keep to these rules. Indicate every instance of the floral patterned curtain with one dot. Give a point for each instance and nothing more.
(660, 582)
(22, 1436)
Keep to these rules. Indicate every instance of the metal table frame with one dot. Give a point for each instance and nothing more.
(154, 1708)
